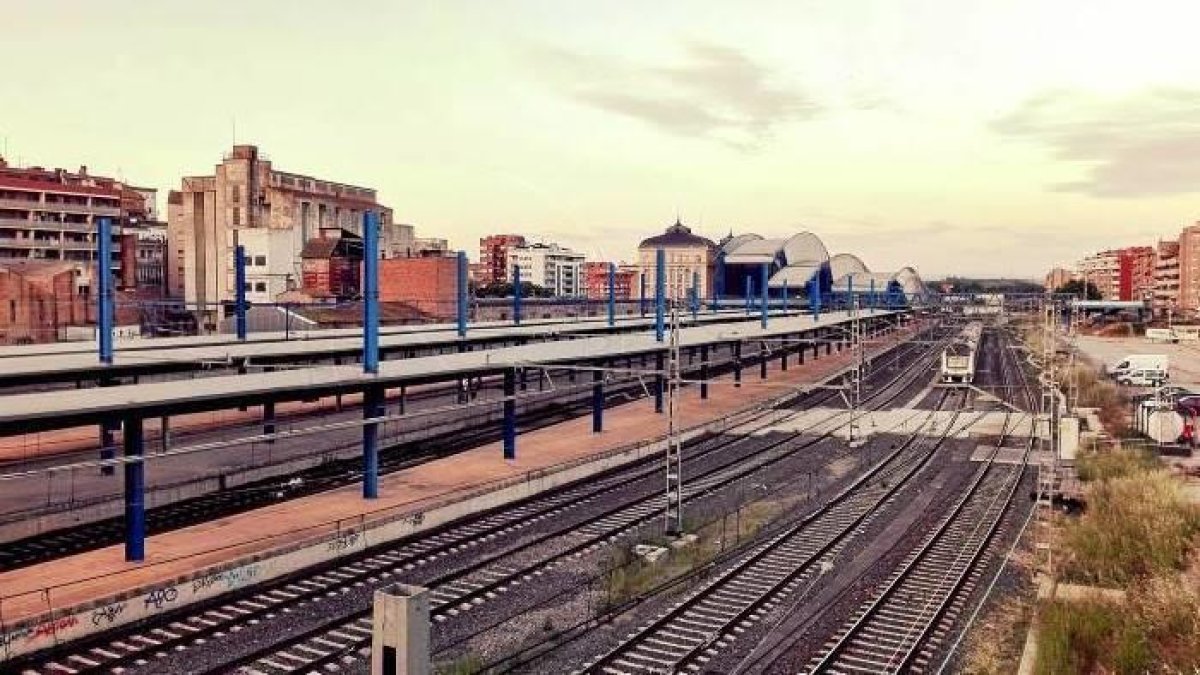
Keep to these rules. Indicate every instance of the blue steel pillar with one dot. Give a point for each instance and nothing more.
(373, 396)
(785, 298)
(849, 292)
(510, 414)
(597, 399)
(239, 295)
(462, 295)
(135, 491)
(703, 372)
(104, 291)
(695, 295)
(814, 299)
(372, 408)
(872, 301)
(612, 294)
(748, 292)
(370, 285)
(516, 295)
(660, 292)
(764, 299)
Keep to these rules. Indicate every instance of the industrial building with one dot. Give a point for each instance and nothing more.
(207, 216)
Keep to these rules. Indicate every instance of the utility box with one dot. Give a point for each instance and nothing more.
(400, 638)
(1068, 438)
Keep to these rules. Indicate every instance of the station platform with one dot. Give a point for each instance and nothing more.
(51, 602)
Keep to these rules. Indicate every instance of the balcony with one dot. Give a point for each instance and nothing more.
(53, 244)
(46, 225)
(59, 207)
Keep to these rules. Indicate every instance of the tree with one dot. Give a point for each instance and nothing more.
(1079, 287)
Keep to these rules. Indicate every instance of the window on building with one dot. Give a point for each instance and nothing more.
(237, 216)
(12, 311)
(247, 287)
(260, 261)
(260, 286)
(235, 193)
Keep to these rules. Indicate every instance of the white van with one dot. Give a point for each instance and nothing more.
(1143, 377)
(1139, 362)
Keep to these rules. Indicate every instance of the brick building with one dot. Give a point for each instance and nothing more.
(246, 192)
(428, 284)
(40, 300)
(494, 258)
(53, 214)
(331, 265)
(595, 281)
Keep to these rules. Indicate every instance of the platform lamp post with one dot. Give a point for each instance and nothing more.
(764, 299)
(660, 292)
(612, 294)
(373, 395)
(239, 292)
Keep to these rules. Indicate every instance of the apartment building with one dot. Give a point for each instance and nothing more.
(1057, 278)
(1165, 298)
(493, 258)
(208, 215)
(1189, 271)
(595, 281)
(550, 266)
(53, 214)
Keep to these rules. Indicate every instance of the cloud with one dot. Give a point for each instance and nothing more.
(1142, 144)
(714, 91)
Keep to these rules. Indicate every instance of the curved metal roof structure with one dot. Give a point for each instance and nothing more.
(846, 263)
(803, 257)
(730, 243)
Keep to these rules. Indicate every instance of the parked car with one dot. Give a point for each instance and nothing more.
(1143, 377)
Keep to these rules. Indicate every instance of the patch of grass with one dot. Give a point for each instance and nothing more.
(1072, 637)
(1117, 463)
(1156, 630)
(630, 575)
(1135, 526)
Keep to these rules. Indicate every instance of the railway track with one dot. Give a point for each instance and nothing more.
(459, 591)
(902, 626)
(453, 592)
(695, 629)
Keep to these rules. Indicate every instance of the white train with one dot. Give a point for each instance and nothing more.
(958, 359)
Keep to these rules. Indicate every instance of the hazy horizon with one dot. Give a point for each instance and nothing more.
(971, 138)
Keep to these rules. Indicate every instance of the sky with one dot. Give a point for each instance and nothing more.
(957, 136)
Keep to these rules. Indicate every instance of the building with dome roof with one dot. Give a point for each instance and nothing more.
(689, 257)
